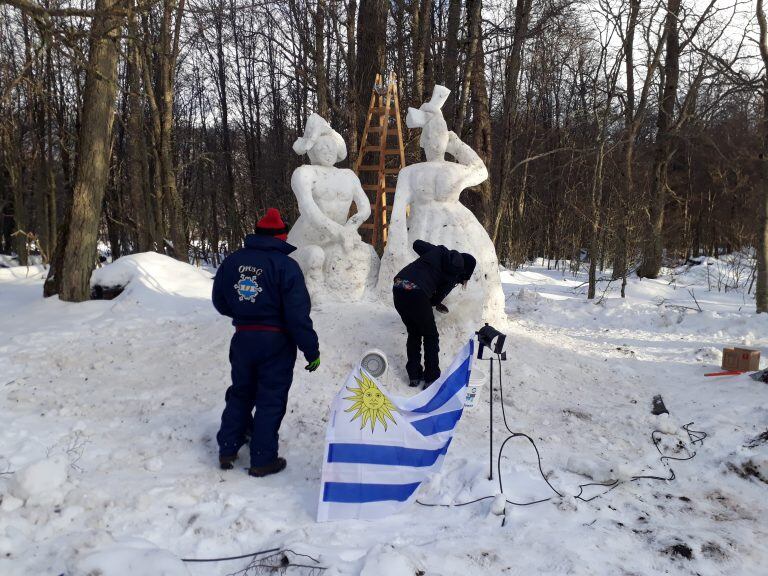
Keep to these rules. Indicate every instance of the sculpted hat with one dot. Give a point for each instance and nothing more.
(420, 117)
(316, 127)
(272, 225)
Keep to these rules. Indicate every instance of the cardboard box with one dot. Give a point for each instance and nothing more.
(748, 359)
(730, 359)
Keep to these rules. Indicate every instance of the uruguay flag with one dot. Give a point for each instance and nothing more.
(380, 448)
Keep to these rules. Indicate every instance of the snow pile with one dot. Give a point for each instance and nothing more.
(133, 557)
(152, 278)
(41, 481)
(384, 560)
(132, 390)
(7, 261)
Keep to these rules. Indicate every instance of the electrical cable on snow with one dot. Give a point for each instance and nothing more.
(694, 436)
(254, 554)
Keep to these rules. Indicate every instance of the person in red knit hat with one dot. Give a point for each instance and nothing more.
(262, 289)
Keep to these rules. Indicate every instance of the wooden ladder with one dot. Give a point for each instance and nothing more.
(379, 161)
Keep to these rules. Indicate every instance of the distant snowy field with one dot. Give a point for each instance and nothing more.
(109, 411)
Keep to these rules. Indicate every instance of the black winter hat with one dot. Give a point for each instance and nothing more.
(469, 266)
(456, 261)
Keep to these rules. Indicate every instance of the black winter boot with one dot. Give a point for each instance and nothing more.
(272, 468)
(227, 462)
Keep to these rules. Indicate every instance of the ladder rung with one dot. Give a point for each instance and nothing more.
(366, 226)
(375, 129)
(368, 168)
(382, 109)
(392, 151)
(373, 148)
(391, 170)
(376, 188)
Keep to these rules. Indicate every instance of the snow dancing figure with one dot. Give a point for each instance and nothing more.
(418, 287)
(262, 289)
(432, 191)
(334, 259)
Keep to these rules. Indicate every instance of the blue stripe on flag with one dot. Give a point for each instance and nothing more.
(386, 455)
(450, 386)
(354, 493)
(440, 423)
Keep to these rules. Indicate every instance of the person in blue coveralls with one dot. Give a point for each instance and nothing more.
(262, 289)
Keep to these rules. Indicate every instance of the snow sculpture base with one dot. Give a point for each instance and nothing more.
(335, 274)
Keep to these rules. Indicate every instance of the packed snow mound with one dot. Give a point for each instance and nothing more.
(134, 557)
(151, 277)
(40, 479)
(384, 560)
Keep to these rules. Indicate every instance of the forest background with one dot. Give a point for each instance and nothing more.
(622, 135)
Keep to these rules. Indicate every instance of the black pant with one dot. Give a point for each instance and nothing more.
(415, 310)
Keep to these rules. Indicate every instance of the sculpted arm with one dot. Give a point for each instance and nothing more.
(398, 228)
(477, 172)
(362, 204)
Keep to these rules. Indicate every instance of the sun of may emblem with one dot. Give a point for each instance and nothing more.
(370, 403)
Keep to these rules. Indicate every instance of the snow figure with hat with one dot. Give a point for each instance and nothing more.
(436, 215)
(335, 261)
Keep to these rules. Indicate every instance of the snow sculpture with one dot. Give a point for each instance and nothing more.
(335, 261)
(432, 190)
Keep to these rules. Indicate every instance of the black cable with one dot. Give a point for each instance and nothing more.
(251, 555)
(517, 435)
(694, 436)
(431, 505)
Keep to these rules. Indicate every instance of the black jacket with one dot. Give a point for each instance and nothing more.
(437, 270)
(260, 284)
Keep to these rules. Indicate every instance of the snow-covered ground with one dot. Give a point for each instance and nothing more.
(109, 411)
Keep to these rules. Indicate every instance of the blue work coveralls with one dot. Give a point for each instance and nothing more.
(262, 289)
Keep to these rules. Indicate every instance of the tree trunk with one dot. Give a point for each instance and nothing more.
(511, 94)
(321, 81)
(234, 237)
(371, 52)
(452, 61)
(482, 140)
(598, 199)
(95, 139)
(352, 94)
(761, 292)
(136, 153)
(169, 45)
(621, 248)
(420, 27)
(652, 249)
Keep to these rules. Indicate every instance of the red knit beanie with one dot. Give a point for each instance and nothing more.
(272, 225)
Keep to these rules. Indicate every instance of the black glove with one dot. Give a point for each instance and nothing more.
(442, 308)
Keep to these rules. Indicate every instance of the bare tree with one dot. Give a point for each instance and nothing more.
(95, 141)
(761, 294)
